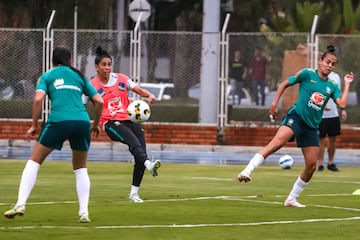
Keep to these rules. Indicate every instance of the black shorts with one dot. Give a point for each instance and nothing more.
(329, 127)
(304, 135)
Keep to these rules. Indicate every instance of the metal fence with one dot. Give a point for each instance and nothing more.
(171, 60)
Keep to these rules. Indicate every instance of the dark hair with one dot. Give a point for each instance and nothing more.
(62, 56)
(330, 50)
(100, 54)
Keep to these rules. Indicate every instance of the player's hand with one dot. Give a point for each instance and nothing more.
(273, 111)
(349, 77)
(95, 131)
(151, 99)
(30, 133)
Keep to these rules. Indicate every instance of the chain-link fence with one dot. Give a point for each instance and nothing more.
(170, 64)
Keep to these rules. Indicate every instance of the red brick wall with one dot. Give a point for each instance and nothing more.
(195, 134)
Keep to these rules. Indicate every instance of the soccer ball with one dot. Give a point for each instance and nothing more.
(138, 111)
(286, 162)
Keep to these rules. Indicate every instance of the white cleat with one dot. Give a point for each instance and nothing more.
(243, 177)
(135, 198)
(293, 203)
(154, 167)
(84, 218)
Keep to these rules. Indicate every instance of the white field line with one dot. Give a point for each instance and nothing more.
(187, 225)
(234, 179)
(233, 198)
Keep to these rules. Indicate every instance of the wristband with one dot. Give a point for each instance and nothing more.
(342, 109)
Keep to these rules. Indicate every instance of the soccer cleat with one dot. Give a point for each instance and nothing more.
(16, 210)
(84, 218)
(243, 177)
(332, 167)
(135, 198)
(294, 203)
(154, 167)
(321, 168)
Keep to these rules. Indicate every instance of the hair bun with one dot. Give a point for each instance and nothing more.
(330, 48)
(99, 51)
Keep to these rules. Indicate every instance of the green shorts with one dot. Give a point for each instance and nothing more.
(54, 134)
(304, 135)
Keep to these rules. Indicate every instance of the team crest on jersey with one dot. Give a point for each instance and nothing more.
(121, 86)
(101, 92)
(290, 122)
(328, 90)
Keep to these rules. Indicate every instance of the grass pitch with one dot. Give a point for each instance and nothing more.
(183, 202)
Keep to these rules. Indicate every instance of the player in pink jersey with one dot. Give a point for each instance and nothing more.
(113, 87)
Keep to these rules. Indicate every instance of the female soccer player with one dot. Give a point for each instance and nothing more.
(115, 120)
(68, 120)
(302, 120)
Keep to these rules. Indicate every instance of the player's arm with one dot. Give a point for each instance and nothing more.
(141, 91)
(36, 108)
(274, 105)
(342, 102)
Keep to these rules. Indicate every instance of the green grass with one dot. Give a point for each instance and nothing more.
(181, 204)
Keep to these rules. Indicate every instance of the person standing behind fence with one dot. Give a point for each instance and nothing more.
(68, 120)
(258, 75)
(237, 74)
(329, 128)
(113, 88)
(301, 122)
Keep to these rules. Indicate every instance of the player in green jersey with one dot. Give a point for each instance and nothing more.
(68, 120)
(302, 120)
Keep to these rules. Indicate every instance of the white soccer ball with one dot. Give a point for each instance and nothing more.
(286, 162)
(139, 111)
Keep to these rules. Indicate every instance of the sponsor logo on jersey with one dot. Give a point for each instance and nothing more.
(316, 101)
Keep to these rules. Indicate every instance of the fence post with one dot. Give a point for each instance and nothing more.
(222, 114)
(47, 55)
(135, 54)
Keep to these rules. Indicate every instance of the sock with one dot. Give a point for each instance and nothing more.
(27, 182)
(147, 164)
(298, 187)
(134, 190)
(82, 189)
(256, 161)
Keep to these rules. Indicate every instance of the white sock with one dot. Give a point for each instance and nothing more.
(27, 182)
(82, 189)
(134, 189)
(256, 161)
(147, 164)
(298, 187)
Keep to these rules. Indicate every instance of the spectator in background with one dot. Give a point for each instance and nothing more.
(258, 75)
(237, 74)
(357, 89)
(329, 128)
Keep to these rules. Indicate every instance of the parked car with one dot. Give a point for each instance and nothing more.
(194, 92)
(6, 91)
(22, 89)
(162, 91)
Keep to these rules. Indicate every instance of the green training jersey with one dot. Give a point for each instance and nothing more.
(314, 93)
(65, 88)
